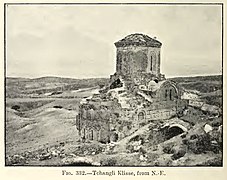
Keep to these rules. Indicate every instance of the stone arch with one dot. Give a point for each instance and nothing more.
(104, 136)
(114, 136)
(174, 130)
(141, 115)
(165, 92)
(179, 126)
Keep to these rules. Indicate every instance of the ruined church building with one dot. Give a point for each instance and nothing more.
(136, 95)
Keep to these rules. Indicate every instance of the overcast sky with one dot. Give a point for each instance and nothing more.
(78, 41)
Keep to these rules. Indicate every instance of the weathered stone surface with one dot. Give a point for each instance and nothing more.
(138, 40)
(124, 106)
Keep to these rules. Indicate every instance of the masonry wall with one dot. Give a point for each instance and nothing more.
(154, 60)
(158, 114)
(133, 59)
(93, 121)
(161, 114)
(95, 131)
(167, 93)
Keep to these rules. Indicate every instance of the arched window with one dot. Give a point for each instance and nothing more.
(92, 135)
(141, 116)
(88, 115)
(166, 94)
(170, 94)
(151, 63)
(84, 133)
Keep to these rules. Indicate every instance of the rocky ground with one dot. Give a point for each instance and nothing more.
(197, 147)
(41, 131)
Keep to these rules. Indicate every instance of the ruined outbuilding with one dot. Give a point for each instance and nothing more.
(136, 95)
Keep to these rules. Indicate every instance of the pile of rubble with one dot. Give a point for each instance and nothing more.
(58, 151)
(41, 154)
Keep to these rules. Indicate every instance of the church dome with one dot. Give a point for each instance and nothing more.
(138, 40)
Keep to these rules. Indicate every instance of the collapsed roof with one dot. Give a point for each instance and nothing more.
(138, 40)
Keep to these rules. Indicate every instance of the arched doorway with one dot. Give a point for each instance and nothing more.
(173, 131)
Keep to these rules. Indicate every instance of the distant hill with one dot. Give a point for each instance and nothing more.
(52, 79)
(203, 84)
(19, 87)
(197, 78)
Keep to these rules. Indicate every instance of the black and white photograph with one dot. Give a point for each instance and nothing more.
(113, 85)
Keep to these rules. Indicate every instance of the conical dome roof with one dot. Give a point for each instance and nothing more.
(138, 40)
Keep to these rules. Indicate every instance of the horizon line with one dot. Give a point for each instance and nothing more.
(53, 76)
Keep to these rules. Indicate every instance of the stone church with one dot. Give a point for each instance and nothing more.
(137, 94)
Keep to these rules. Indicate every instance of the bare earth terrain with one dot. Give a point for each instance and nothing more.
(41, 127)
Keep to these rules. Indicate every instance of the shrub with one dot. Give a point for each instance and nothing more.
(15, 107)
(168, 149)
(213, 162)
(178, 154)
(200, 144)
(130, 148)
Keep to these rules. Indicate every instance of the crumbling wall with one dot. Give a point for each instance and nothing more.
(157, 114)
(95, 131)
(141, 78)
(137, 94)
(94, 120)
(168, 92)
(131, 60)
